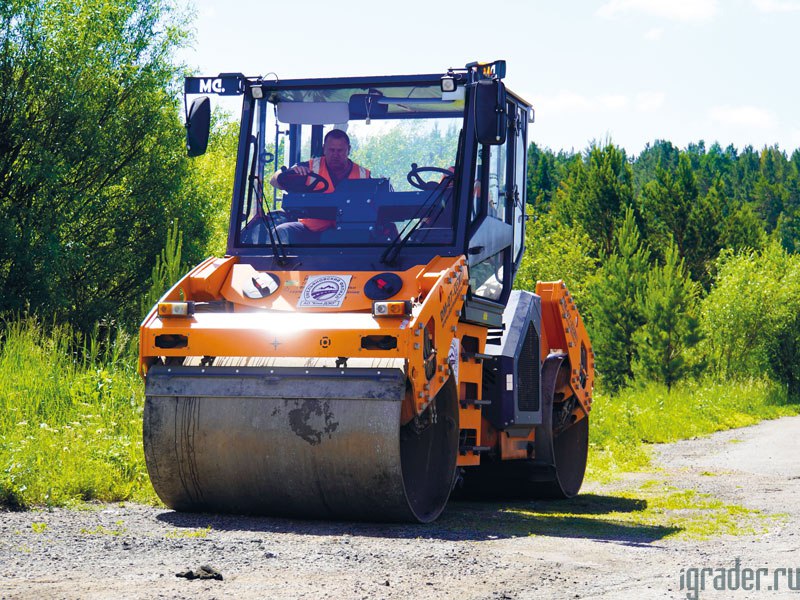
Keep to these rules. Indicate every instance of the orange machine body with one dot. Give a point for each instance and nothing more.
(278, 326)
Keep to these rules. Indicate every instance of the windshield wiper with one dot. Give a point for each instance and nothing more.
(278, 249)
(257, 186)
(422, 216)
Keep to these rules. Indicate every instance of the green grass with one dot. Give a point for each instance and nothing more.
(655, 511)
(643, 512)
(37, 527)
(101, 530)
(623, 425)
(70, 418)
(176, 534)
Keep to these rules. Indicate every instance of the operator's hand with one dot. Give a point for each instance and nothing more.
(300, 170)
(296, 170)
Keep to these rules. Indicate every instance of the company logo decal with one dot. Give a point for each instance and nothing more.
(208, 86)
(324, 290)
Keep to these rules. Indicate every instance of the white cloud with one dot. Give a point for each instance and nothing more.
(654, 35)
(649, 101)
(771, 6)
(613, 102)
(674, 10)
(749, 116)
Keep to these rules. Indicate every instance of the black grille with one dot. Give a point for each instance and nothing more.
(489, 377)
(528, 372)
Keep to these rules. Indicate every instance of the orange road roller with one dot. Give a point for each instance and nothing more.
(359, 352)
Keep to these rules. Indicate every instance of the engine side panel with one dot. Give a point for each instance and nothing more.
(511, 378)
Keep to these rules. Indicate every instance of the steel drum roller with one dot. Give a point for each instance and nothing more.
(318, 443)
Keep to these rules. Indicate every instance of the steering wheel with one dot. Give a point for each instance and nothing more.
(416, 180)
(294, 182)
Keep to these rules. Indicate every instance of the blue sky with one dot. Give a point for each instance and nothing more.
(631, 71)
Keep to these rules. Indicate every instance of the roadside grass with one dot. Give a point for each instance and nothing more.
(70, 418)
(38, 527)
(179, 534)
(640, 511)
(101, 530)
(644, 514)
(623, 425)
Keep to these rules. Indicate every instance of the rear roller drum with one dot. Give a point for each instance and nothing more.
(562, 444)
(561, 447)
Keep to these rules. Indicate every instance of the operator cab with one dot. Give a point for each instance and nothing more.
(446, 153)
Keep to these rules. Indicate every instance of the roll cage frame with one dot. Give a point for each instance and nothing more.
(477, 236)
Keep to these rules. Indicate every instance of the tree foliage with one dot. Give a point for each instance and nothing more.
(166, 271)
(91, 156)
(615, 313)
(667, 202)
(750, 318)
(595, 194)
(93, 179)
(210, 177)
(555, 251)
(668, 306)
(391, 152)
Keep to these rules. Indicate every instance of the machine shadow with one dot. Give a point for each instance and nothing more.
(591, 516)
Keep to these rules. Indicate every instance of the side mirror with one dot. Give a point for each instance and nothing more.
(490, 112)
(198, 126)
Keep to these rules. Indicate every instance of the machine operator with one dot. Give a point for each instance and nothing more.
(333, 166)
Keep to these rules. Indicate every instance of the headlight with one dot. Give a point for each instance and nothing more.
(175, 309)
(391, 309)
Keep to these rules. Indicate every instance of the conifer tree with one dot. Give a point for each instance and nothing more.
(615, 313)
(668, 306)
(703, 233)
(667, 202)
(743, 230)
(596, 193)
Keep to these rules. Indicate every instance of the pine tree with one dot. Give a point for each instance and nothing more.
(703, 233)
(596, 193)
(788, 230)
(615, 314)
(743, 229)
(770, 193)
(667, 203)
(668, 307)
(662, 154)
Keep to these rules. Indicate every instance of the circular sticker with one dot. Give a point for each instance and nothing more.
(324, 290)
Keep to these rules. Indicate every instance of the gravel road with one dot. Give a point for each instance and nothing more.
(579, 549)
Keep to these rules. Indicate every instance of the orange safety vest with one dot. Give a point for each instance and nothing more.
(318, 166)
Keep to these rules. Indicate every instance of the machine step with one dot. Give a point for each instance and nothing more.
(474, 402)
(477, 355)
(474, 449)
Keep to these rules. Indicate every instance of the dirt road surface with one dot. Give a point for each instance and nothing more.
(615, 541)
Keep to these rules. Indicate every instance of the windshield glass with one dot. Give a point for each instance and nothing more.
(363, 166)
